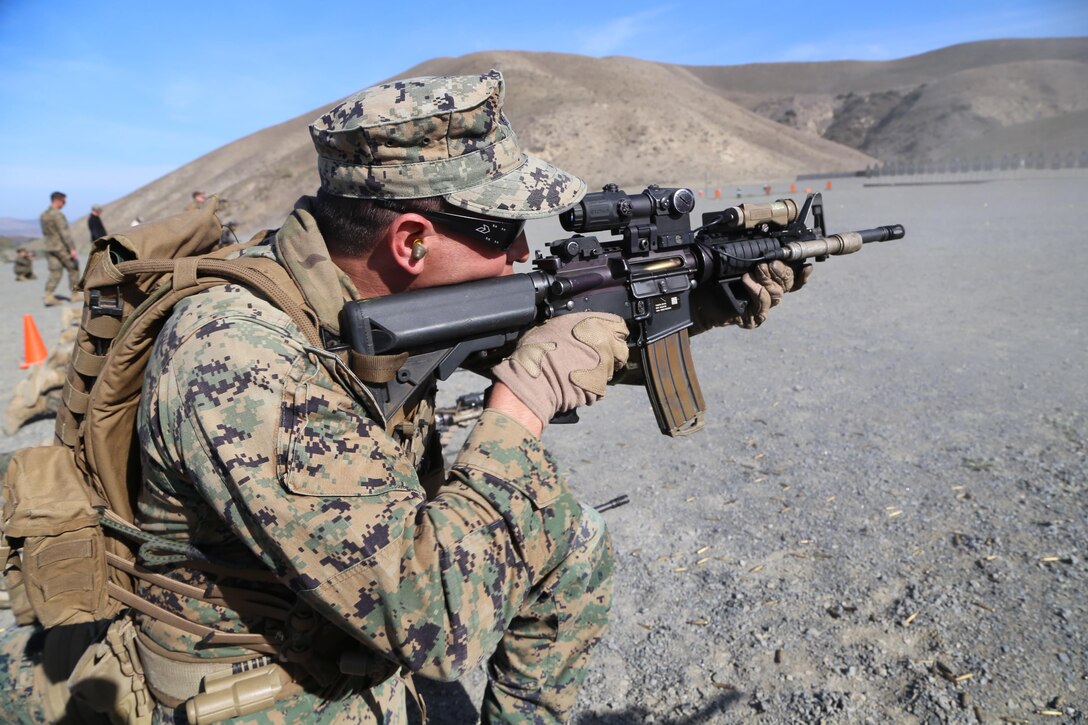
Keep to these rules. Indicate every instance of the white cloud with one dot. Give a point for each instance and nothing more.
(803, 53)
(185, 95)
(615, 37)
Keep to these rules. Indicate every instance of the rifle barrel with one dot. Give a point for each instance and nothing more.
(838, 244)
(882, 234)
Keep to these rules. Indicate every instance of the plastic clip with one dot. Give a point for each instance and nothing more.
(105, 306)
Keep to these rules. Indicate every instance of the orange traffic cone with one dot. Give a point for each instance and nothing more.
(33, 346)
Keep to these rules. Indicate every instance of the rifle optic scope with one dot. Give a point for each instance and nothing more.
(612, 208)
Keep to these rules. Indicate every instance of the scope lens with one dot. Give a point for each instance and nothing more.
(683, 201)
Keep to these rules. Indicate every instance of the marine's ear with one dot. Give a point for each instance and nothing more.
(405, 240)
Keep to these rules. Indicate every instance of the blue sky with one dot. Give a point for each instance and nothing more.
(100, 98)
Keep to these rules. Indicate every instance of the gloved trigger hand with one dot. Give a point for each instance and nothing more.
(566, 362)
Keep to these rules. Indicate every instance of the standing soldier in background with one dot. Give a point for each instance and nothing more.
(197, 202)
(94, 223)
(24, 265)
(60, 249)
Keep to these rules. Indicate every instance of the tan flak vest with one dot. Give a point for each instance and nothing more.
(68, 518)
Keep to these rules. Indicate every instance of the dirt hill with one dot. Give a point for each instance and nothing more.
(572, 110)
(636, 122)
(932, 106)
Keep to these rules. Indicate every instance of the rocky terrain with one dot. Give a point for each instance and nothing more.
(886, 517)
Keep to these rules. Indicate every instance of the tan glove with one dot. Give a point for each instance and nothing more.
(565, 362)
(765, 284)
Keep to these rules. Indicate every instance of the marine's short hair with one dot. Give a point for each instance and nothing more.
(352, 227)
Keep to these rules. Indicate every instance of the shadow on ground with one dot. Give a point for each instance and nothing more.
(449, 704)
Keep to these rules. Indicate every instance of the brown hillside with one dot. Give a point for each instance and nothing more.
(934, 120)
(1043, 136)
(259, 176)
(579, 113)
(636, 122)
(572, 110)
(928, 106)
(837, 77)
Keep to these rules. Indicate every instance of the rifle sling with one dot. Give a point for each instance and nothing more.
(377, 369)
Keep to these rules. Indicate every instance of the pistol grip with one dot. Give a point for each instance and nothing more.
(568, 418)
(672, 385)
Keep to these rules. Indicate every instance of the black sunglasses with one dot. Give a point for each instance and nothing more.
(501, 233)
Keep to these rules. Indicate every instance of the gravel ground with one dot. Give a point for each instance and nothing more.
(884, 519)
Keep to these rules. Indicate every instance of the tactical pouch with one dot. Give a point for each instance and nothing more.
(13, 584)
(109, 678)
(49, 517)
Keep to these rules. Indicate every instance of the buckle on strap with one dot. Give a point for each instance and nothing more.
(104, 305)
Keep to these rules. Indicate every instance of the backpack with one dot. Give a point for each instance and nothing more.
(69, 506)
(72, 546)
(69, 511)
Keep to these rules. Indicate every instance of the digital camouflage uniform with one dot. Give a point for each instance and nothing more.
(245, 433)
(58, 250)
(24, 267)
(253, 453)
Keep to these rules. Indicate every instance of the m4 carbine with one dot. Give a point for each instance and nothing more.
(645, 273)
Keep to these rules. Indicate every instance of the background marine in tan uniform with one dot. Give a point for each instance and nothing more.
(60, 249)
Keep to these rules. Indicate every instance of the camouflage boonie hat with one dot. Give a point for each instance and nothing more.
(438, 136)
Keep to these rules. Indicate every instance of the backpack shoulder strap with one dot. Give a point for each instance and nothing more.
(264, 276)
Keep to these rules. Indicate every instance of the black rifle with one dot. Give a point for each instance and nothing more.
(645, 274)
(467, 409)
